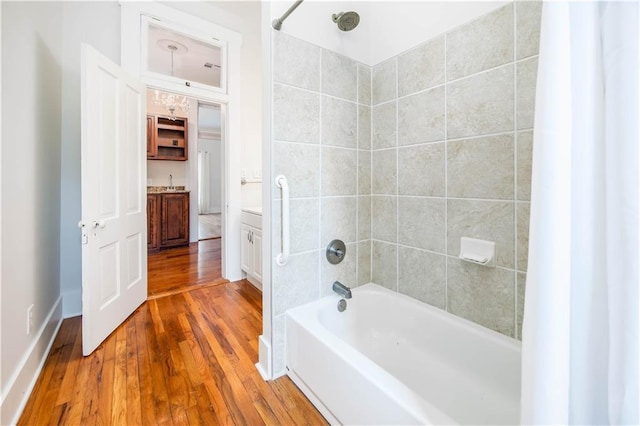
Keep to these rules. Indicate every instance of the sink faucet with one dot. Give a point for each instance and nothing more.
(170, 181)
(342, 289)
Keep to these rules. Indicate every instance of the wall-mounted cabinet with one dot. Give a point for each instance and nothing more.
(166, 138)
(167, 220)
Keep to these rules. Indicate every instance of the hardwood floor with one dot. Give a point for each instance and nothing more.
(187, 358)
(181, 269)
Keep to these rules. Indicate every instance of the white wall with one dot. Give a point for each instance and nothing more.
(386, 28)
(398, 26)
(98, 24)
(214, 148)
(312, 22)
(31, 146)
(245, 18)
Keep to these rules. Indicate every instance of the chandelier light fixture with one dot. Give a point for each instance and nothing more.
(170, 101)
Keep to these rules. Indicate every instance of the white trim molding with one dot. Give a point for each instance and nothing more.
(20, 385)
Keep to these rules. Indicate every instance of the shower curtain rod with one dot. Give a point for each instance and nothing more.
(277, 23)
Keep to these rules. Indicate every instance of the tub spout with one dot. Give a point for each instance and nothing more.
(342, 289)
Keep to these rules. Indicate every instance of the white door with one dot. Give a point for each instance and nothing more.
(114, 256)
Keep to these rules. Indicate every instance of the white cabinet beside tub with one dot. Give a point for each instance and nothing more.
(251, 245)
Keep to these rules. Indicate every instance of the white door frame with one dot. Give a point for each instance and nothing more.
(131, 61)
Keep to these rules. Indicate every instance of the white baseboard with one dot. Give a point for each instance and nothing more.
(264, 358)
(257, 284)
(72, 303)
(21, 384)
(279, 374)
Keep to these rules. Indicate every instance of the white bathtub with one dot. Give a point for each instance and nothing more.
(390, 359)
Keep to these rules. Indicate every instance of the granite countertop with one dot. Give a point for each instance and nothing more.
(165, 189)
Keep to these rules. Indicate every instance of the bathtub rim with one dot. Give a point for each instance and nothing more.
(500, 338)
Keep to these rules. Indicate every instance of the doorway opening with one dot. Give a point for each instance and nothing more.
(184, 188)
(210, 163)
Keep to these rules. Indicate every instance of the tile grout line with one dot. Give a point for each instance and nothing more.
(397, 176)
(456, 80)
(446, 182)
(515, 171)
(356, 283)
(320, 175)
(370, 174)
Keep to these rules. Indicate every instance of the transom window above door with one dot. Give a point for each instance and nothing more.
(189, 59)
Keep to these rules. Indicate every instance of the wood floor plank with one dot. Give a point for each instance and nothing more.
(134, 414)
(269, 407)
(119, 402)
(186, 358)
(147, 406)
(217, 403)
(160, 393)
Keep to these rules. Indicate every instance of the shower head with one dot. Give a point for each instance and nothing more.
(346, 20)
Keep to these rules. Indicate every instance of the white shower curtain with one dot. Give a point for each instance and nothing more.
(581, 322)
(204, 182)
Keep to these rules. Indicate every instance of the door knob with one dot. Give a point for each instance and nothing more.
(99, 224)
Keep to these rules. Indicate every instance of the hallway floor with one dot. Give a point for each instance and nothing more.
(209, 226)
(187, 358)
(183, 268)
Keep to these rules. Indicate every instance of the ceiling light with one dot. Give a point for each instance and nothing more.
(171, 102)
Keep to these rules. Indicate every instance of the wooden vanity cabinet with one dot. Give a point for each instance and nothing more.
(167, 220)
(153, 217)
(174, 222)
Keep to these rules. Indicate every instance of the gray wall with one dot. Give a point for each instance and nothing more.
(31, 147)
(98, 24)
(451, 157)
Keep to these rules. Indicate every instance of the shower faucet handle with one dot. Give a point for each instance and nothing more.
(336, 251)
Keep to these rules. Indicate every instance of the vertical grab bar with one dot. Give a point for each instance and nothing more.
(282, 183)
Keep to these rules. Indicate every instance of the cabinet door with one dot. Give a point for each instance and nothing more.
(153, 217)
(257, 254)
(175, 219)
(246, 249)
(152, 145)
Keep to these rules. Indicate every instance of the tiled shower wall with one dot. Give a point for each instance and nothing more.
(322, 144)
(444, 152)
(451, 157)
